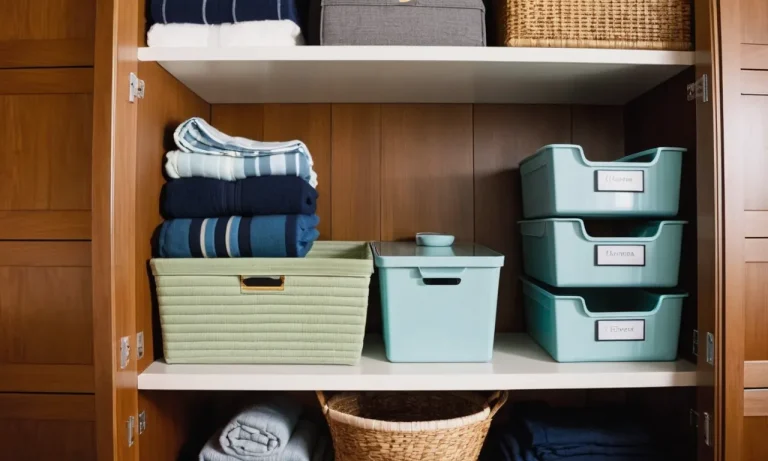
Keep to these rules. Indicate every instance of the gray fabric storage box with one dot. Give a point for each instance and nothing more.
(403, 22)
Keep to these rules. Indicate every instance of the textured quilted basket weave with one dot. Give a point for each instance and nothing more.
(618, 24)
(308, 310)
(410, 426)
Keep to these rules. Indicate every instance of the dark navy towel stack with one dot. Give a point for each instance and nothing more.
(542, 433)
(214, 12)
(256, 217)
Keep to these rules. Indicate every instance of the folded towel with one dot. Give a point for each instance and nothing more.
(573, 426)
(275, 236)
(191, 165)
(555, 452)
(252, 33)
(261, 430)
(265, 195)
(222, 11)
(300, 447)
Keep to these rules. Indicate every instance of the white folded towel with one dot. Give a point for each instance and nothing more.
(250, 33)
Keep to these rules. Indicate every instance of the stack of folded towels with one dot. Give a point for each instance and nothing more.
(235, 197)
(271, 431)
(224, 23)
(541, 433)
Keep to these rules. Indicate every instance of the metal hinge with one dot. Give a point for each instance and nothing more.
(707, 429)
(142, 422)
(711, 349)
(695, 343)
(130, 424)
(140, 345)
(125, 351)
(136, 90)
(699, 90)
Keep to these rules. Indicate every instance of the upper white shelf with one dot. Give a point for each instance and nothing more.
(518, 363)
(418, 74)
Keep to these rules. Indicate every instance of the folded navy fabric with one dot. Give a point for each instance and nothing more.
(263, 195)
(274, 236)
(222, 11)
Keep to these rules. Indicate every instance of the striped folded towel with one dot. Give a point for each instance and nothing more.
(191, 165)
(274, 158)
(275, 236)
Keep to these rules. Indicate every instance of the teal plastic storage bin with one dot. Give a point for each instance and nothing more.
(558, 180)
(438, 303)
(560, 252)
(609, 325)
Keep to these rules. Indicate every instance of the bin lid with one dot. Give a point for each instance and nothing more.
(408, 254)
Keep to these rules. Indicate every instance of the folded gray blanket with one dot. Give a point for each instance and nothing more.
(300, 447)
(261, 430)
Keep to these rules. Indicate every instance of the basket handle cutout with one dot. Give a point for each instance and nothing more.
(439, 281)
(496, 401)
(250, 284)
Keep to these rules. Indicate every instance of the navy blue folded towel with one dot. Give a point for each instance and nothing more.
(222, 11)
(262, 195)
(275, 236)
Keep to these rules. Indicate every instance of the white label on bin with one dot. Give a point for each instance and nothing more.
(620, 255)
(620, 181)
(620, 330)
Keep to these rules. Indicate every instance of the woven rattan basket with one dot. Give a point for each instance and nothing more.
(643, 24)
(409, 426)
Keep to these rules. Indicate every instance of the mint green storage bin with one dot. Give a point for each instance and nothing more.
(558, 180)
(308, 310)
(560, 253)
(438, 303)
(603, 325)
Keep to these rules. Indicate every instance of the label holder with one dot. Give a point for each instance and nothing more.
(597, 331)
(599, 264)
(598, 187)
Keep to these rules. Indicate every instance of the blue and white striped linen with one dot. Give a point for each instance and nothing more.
(206, 152)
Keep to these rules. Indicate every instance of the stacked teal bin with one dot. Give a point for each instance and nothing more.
(590, 299)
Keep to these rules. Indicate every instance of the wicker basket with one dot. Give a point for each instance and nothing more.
(643, 24)
(410, 426)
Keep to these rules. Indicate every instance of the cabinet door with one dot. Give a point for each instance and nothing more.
(46, 33)
(744, 55)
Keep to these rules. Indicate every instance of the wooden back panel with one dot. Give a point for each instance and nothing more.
(47, 33)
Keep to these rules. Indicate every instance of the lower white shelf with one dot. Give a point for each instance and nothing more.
(518, 363)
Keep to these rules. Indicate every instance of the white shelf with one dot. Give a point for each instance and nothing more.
(518, 363)
(418, 74)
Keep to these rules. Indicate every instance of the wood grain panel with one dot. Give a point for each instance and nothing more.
(174, 427)
(47, 407)
(756, 402)
(47, 33)
(754, 21)
(45, 225)
(755, 448)
(754, 82)
(756, 250)
(45, 315)
(356, 172)
(50, 171)
(754, 57)
(45, 254)
(310, 123)
(158, 117)
(755, 224)
(599, 130)
(46, 81)
(755, 150)
(427, 170)
(36, 440)
(74, 379)
(246, 120)
(503, 136)
(756, 311)
(756, 374)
